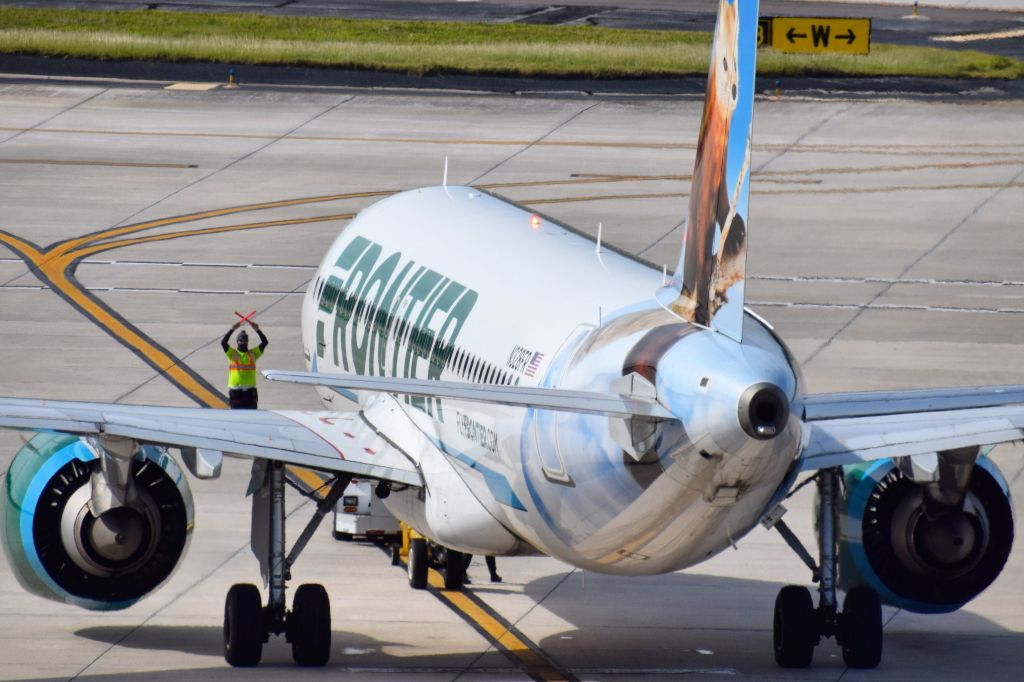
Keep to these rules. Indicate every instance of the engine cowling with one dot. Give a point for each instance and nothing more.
(59, 550)
(922, 564)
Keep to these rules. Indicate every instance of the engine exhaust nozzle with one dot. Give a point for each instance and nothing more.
(763, 411)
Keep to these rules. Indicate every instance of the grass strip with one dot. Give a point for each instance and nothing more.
(422, 48)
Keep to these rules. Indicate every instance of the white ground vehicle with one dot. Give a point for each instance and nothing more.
(360, 514)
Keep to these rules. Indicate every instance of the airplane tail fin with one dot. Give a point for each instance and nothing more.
(709, 279)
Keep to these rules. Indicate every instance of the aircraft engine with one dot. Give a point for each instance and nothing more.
(932, 562)
(59, 550)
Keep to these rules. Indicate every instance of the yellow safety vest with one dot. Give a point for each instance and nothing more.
(242, 370)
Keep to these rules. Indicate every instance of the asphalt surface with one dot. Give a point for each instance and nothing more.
(884, 247)
(891, 22)
(30, 69)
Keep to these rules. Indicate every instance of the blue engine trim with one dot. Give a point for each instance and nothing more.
(26, 517)
(851, 525)
(43, 477)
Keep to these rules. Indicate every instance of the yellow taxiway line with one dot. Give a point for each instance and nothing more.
(505, 637)
(55, 266)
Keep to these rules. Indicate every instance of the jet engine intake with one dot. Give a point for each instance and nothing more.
(916, 555)
(60, 550)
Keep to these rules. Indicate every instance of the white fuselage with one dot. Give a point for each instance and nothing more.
(452, 283)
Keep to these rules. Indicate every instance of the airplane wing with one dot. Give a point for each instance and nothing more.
(587, 402)
(847, 428)
(332, 441)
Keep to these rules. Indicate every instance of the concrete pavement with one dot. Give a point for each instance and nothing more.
(883, 246)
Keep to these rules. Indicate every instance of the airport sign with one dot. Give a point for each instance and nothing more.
(815, 34)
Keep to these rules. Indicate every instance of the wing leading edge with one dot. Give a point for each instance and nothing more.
(848, 428)
(586, 402)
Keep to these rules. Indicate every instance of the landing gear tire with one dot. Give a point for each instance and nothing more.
(454, 570)
(309, 625)
(418, 563)
(862, 628)
(795, 631)
(244, 632)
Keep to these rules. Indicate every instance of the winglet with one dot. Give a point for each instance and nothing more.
(710, 276)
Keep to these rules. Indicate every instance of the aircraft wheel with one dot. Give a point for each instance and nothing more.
(309, 625)
(862, 628)
(417, 563)
(795, 632)
(243, 626)
(454, 570)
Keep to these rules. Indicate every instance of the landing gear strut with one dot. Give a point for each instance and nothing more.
(799, 626)
(248, 623)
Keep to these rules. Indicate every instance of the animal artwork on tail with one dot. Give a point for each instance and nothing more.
(713, 261)
(506, 392)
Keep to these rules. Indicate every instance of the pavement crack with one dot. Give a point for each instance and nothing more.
(181, 593)
(759, 169)
(56, 115)
(534, 143)
(236, 161)
(896, 280)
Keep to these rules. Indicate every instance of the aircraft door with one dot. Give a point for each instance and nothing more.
(545, 425)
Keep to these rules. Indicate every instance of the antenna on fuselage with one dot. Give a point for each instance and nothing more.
(444, 178)
(597, 247)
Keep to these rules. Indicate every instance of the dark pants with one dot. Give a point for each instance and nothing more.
(243, 399)
(492, 566)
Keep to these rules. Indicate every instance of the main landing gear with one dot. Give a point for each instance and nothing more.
(423, 554)
(799, 626)
(248, 623)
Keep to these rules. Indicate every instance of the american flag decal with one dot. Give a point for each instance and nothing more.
(531, 369)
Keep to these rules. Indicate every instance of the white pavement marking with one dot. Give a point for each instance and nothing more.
(605, 628)
(972, 37)
(884, 280)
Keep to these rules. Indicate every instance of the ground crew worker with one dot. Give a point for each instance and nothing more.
(492, 568)
(242, 370)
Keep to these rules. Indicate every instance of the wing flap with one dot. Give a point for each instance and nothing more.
(877, 403)
(312, 439)
(844, 441)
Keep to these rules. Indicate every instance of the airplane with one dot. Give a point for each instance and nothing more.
(562, 398)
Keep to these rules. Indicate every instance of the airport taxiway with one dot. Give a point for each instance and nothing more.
(884, 246)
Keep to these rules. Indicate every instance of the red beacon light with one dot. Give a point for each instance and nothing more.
(535, 221)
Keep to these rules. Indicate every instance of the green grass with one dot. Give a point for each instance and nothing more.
(894, 60)
(438, 47)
